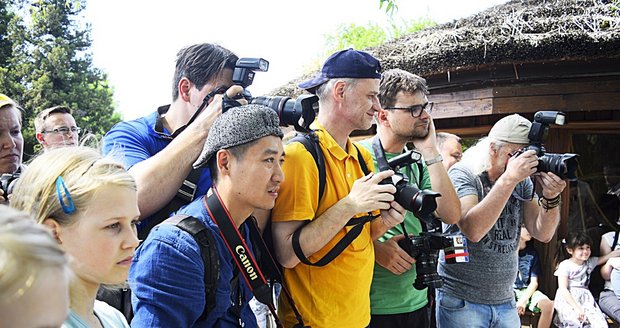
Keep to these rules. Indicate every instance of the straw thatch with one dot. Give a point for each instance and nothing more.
(519, 31)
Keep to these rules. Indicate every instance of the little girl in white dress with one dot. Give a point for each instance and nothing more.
(574, 304)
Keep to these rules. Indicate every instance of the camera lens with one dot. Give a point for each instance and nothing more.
(420, 202)
(562, 165)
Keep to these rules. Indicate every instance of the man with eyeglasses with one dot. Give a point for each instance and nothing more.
(55, 127)
(497, 196)
(159, 149)
(405, 117)
(11, 144)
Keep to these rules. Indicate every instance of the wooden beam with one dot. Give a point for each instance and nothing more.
(463, 108)
(561, 102)
(556, 88)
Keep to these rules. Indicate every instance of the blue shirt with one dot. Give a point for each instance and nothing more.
(167, 279)
(137, 140)
(529, 266)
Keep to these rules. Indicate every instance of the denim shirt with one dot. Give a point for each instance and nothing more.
(167, 279)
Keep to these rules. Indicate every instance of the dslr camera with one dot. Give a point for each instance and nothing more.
(425, 250)
(298, 112)
(7, 181)
(562, 165)
(421, 202)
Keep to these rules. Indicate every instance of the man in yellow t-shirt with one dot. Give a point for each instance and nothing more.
(336, 294)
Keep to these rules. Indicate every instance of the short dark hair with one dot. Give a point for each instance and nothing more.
(39, 120)
(396, 80)
(201, 63)
(237, 151)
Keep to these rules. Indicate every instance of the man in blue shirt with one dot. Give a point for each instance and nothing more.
(159, 149)
(244, 154)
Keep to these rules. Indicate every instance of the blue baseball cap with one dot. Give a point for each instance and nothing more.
(349, 63)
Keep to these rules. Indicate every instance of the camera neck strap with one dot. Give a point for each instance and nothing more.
(243, 257)
(205, 102)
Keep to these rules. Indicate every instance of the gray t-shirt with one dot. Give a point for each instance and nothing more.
(492, 268)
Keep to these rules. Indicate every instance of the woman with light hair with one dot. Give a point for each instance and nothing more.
(34, 283)
(90, 204)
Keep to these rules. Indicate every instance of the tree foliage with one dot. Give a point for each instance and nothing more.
(46, 61)
(371, 35)
(390, 6)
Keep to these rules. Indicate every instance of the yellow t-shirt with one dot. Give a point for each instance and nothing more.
(337, 294)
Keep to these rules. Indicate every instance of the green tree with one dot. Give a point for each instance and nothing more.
(50, 64)
(371, 35)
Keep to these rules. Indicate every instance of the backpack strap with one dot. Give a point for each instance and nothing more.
(615, 243)
(208, 251)
(184, 195)
(311, 143)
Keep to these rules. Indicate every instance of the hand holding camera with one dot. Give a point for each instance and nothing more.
(551, 184)
(367, 194)
(521, 166)
(7, 182)
(393, 216)
(392, 257)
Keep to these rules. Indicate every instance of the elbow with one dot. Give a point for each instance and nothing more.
(544, 238)
(452, 218)
(473, 237)
(286, 257)
(288, 262)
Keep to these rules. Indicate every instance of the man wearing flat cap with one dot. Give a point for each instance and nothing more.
(305, 228)
(244, 153)
(493, 183)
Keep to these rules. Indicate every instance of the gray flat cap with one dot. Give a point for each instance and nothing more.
(237, 126)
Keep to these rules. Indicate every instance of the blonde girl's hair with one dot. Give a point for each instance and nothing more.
(66, 176)
(26, 250)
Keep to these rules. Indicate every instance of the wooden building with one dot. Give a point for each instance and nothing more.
(522, 57)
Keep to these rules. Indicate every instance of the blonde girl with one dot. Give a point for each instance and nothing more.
(90, 205)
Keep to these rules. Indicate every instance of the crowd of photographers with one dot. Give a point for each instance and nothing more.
(355, 228)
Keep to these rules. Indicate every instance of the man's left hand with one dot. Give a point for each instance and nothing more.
(551, 184)
(394, 215)
(427, 145)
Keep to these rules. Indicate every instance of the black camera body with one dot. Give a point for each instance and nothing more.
(419, 201)
(299, 112)
(562, 165)
(425, 250)
(7, 181)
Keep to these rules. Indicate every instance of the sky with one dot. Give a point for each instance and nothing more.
(135, 42)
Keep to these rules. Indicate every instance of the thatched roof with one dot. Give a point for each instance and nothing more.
(516, 32)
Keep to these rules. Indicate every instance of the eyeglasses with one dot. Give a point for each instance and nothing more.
(64, 130)
(416, 110)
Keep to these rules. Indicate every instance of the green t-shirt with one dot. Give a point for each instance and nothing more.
(389, 293)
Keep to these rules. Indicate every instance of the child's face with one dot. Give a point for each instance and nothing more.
(103, 238)
(581, 252)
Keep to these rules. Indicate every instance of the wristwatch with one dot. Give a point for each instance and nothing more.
(432, 161)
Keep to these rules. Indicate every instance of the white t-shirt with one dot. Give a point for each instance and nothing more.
(578, 275)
